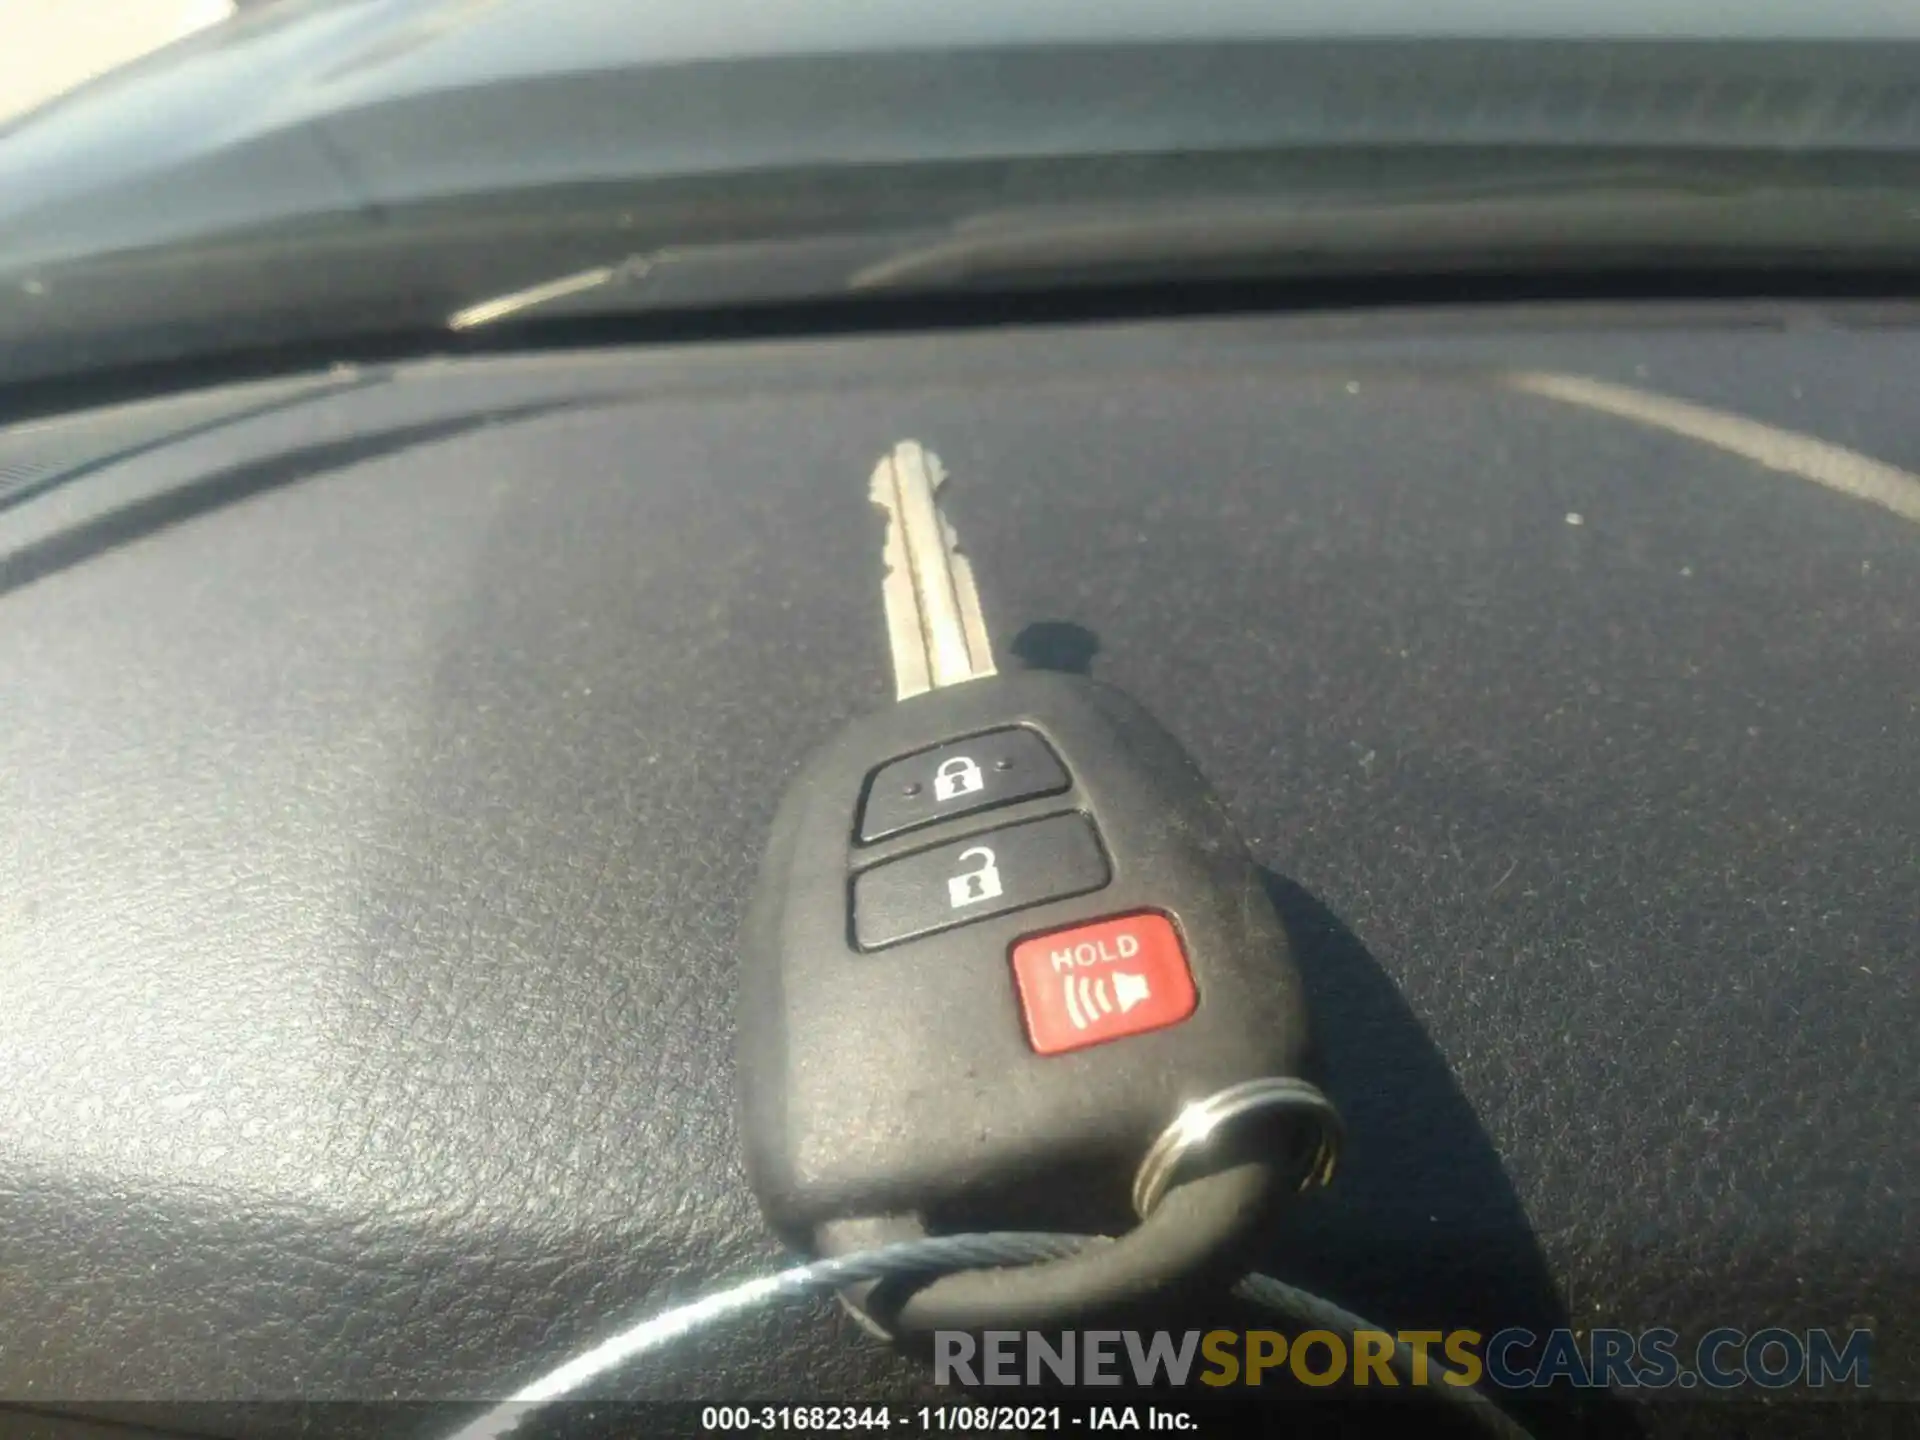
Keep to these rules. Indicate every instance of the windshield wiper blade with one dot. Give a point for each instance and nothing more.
(1608, 222)
(515, 302)
(730, 273)
(1599, 223)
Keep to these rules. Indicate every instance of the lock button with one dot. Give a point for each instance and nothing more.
(1005, 869)
(956, 777)
(959, 778)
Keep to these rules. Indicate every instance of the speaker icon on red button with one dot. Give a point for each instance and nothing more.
(1088, 998)
(1092, 983)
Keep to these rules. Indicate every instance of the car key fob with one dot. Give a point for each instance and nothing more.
(1009, 965)
(1004, 933)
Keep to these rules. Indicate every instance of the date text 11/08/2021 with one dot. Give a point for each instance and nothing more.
(956, 1419)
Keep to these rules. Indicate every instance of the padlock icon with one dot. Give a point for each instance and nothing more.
(956, 777)
(982, 882)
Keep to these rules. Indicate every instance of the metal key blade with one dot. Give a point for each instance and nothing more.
(934, 624)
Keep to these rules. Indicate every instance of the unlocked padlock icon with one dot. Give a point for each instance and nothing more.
(955, 777)
(982, 882)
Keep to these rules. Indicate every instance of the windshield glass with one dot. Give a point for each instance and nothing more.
(318, 173)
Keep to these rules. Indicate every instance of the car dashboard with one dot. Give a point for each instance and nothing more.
(388, 751)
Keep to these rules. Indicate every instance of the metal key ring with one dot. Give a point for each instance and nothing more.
(1194, 1234)
(1196, 1127)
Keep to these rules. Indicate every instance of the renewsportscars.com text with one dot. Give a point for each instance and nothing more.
(1512, 1359)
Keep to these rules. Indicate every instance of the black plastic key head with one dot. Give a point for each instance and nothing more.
(1004, 933)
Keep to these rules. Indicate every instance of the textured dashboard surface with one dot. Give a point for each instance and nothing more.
(381, 777)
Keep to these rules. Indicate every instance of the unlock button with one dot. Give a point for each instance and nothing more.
(990, 874)
(982, 882)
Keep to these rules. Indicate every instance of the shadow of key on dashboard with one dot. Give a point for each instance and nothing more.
(1058, 645)
(1422, 1229)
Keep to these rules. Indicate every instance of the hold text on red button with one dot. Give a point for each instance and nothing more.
(1093, 983)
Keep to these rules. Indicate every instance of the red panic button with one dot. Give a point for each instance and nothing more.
(1099, 982)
